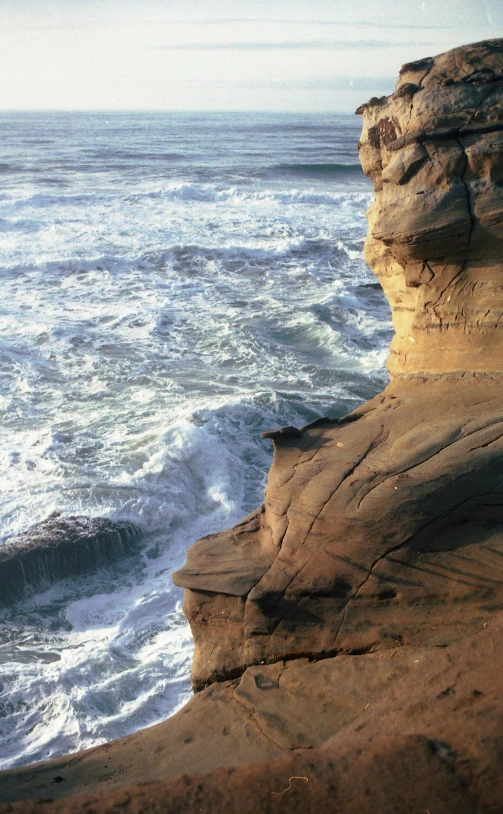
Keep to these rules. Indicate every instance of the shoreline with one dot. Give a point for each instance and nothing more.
(348, 632)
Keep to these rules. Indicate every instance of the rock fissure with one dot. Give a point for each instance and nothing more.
(448, 134)
(426, 73)
(428, 458)
(377, 562)
(488, 443)
(469, 205)
(346, 475)
(303, 460)
(440, 294)
(256, 721)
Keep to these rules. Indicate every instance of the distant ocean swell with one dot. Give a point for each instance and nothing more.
(321, 169)
(193, 191)
(310, 168)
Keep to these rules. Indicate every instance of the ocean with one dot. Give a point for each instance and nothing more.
(172, 285)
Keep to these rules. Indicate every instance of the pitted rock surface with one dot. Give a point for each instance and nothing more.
(434, 150)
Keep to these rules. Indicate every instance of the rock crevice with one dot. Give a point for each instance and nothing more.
(366, 520)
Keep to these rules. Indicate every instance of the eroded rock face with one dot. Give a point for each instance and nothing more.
(384, 528)
(379, 530)
(434, 150)
(350, 629)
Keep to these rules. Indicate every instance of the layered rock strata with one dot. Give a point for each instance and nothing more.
(434, 150)
(384, 527)
(347, 633)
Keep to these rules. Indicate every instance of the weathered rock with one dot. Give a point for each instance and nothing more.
(435, 238)
(416, 730)
(58, 547)
(349, 628)
(386, 527)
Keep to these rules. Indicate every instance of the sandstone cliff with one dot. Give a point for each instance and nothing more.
(369, 522)
(434, 150)
(355, 614)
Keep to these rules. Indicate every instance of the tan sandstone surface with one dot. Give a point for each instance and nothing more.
(348, 634)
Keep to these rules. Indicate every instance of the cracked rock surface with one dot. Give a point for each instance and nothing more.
(434, 150)
(382, 530)
(384, 527)
(348, 633)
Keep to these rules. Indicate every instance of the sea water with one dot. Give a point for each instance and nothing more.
(172, 285)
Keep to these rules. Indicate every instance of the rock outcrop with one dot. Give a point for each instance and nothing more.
(348, 632)
(385, 527)
(434, 150)
(59, 547)
(431, 743)
(380, 530)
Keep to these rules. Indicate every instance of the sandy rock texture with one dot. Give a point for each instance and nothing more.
(381, 529)
(434, 150)
(348, 634)
(431, 743)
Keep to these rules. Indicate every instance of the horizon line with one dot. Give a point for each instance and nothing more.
(111, 111)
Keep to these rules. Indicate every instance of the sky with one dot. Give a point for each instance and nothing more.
(300, 55)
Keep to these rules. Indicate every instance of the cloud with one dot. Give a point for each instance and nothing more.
(311, 22)
(286, 45)
(366, 84)
(381, 84)
(297, 21)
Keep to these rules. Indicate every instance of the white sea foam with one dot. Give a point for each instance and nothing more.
(237, 195)
(159, 314)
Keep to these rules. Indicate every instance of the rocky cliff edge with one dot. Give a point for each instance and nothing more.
(349, 631)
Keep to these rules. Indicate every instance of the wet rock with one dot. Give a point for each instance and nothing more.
(58, 547)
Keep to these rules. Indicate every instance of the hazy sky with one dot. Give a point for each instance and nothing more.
(224, 54)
